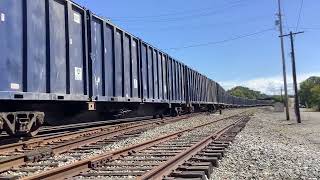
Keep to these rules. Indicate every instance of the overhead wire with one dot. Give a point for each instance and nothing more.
(221, 41)
(310, 28)
(285, 19)
(299, 17)
(198, 26)
(307, 28)
(179, 18)
(169, 14)
(192, 16)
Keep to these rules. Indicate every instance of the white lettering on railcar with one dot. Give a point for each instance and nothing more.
(78, 74)
(3, 17)
(15, 86)
(97, 81)
(135, 83)
(77, 18)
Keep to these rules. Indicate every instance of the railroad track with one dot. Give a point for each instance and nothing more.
(47, 131)
(17, 154)
(198, 160)
(145, 160)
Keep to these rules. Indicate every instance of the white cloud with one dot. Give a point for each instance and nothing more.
(269, 85)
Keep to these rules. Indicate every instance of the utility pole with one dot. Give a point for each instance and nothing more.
(283, 63)
(281, 97)
(294, 76)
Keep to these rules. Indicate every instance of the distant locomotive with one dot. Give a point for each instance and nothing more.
(60, 62)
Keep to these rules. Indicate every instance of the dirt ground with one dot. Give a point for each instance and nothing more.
(309, 129)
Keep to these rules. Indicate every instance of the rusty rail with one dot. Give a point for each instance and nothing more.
(35, 155)
(68, 135)
(85, 165)
(167, 167)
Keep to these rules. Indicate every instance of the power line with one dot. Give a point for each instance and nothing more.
(306, 28)
(299, 17)
(285, 19)
(188, 16)
(310, 28)
(170, 13)
(196, 26)
(222, 41)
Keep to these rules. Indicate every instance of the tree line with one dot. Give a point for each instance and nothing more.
(309, 93)
(245, 92)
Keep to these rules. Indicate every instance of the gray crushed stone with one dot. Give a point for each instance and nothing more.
(68, 158)
(271, 148)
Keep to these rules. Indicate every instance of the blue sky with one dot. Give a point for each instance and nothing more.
(253, 61)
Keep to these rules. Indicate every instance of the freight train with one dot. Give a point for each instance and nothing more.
(61, 63)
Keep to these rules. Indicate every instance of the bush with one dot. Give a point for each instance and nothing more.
(315, 97)
(277, 98)
(310, 93)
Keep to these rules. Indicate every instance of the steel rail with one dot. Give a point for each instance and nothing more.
(85, 165)
(91, 124)
(67, 135)
(35, 155)
(173, 163)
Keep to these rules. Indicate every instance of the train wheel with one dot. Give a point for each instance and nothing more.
(8, 130)
(1, 125)
(36, 126)
(174, 112)
(33, 131)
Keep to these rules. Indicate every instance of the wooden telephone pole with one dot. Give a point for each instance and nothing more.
(294, 75)
(283, 63)
(281, 96)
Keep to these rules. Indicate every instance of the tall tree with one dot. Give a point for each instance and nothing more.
(310, 91)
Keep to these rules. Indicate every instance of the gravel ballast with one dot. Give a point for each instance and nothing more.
(272, 148)
(68, 158)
